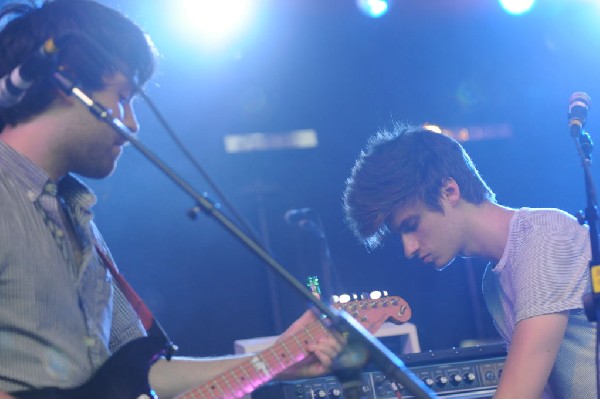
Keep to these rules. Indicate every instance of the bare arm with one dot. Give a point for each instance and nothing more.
(535, 344)
(170, 378)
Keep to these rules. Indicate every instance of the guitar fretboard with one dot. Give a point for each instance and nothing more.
(260, 368)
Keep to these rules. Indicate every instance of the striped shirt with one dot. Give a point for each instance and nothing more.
(545, 269)
(61, 317)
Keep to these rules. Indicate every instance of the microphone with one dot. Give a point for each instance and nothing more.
(579, 104)
(14, 85)
(304, 218)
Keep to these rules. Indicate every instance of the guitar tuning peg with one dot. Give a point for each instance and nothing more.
(335, 299)
(365, 295)
(385, 293)
(354, 297)
(344, 298)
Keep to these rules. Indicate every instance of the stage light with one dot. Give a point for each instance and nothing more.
(373, 8)
(517, 7)
(212, 23)
(249, 142)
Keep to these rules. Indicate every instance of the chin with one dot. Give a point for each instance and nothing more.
(442, 266)
(97, 173)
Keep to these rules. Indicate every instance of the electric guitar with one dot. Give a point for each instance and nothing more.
(125, 374)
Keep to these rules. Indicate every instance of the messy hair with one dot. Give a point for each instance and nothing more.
(406, 166)
(93, 42)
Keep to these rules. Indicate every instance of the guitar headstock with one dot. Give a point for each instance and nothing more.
(372, 313)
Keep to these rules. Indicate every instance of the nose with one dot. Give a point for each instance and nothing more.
(410, 244)
(130, 119)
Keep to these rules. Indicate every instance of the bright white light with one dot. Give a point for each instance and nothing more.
(212, 23)
(375, 294)
(517, 7)
(373, 8)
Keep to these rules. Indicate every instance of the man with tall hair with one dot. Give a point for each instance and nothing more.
(423, 188)
(62, 315)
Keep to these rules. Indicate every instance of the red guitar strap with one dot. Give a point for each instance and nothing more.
(134, 299)
(151, 325)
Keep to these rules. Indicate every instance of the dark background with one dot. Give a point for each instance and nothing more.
(322, 64)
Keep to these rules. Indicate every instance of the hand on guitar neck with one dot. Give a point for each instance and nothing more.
(371, 313)
(321, 352)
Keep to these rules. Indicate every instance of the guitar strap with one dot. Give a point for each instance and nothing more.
(152, 326)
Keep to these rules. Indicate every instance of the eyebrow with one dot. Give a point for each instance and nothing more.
(411, 219)
(124, 86)
(403, 225)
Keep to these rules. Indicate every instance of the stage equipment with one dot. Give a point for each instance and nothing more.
(454, 373)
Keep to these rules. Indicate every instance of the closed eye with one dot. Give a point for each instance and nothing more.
(409, 225)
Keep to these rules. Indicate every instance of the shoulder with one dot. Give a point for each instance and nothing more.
(545, 219)
(14, 198)
(546, 233)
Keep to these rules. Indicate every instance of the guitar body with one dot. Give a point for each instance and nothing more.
(123, 376)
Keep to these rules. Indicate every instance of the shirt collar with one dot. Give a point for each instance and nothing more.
(34, 179)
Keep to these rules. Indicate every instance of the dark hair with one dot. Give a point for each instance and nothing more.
(79, 27)
(406, 166)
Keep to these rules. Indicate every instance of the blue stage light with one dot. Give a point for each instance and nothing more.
(517, 7)
(212, 23)
(373, 8)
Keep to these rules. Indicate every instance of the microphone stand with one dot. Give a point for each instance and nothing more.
(591, 301)
(349, 365)
(389, 363)
(328, 275)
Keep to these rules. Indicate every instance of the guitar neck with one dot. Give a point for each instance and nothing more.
(260, 368)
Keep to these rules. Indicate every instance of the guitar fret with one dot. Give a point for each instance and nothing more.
(248, 382)
(239, 381)
(289, 356)
(231, 387)
(212, 389)
(310, 335)
(275, 355)
(302, 346)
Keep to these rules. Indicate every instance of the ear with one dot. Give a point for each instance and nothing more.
(63, 98)
(450, 190)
